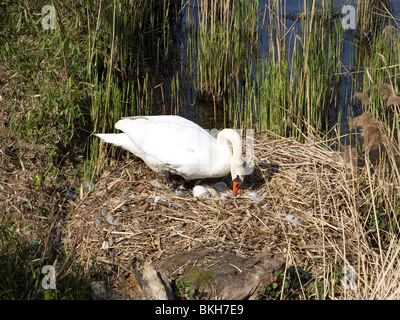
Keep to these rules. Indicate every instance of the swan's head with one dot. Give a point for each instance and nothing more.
(237, 173)
(235, 155)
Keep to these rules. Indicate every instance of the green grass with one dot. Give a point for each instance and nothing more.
(380, 67)
(21, 274)
(296, 92)
(60, 86)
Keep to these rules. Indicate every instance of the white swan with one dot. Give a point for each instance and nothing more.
(172, 144)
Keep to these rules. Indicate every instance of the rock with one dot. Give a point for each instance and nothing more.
(223, 275)
(156, 284)
(98, 290)
(203, 274)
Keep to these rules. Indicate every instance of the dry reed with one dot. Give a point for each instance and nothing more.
(374, 134)
(393, 100)
(386, 89)
(390, 30)
(363, 98)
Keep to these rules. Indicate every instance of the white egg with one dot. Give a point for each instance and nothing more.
(199, 191)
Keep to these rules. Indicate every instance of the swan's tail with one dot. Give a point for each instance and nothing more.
(117, 139)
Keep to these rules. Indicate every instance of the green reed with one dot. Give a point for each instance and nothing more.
(222, 37)
(371, 14)
(379, 63)
(291, 95)
(121, 38)
(288, 93)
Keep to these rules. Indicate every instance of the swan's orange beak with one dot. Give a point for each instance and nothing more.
(236, 185)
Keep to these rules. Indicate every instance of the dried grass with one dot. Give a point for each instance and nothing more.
(390, 30)
(309, 213)
(374, 136)
(387, 92)
(386, 89)
(363, 98)
(393, 100)
(372, 130)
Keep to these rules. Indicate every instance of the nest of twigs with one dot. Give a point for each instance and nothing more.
(300, 201)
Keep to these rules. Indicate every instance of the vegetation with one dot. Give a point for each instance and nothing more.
(109, 59)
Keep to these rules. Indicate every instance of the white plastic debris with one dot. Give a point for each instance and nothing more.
(105, 245)
(110, 220)
(254, 195)
(291, 218)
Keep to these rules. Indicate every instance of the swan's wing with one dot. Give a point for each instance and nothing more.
(172, 140)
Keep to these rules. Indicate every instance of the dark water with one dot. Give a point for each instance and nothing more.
(177, 63)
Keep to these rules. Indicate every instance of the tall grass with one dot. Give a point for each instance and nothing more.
(291, 93)
(380, 78)
(122, 85)
(371, 14)
(379, 66)
(222, 36)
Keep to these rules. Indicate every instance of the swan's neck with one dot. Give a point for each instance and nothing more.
(234, 138)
